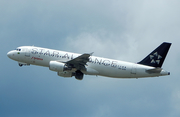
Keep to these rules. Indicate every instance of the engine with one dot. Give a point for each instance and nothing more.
(64, 71)
(58, 66)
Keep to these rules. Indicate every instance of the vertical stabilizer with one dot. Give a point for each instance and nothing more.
(156, 57)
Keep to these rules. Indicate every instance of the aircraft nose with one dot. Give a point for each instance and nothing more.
(9, 54)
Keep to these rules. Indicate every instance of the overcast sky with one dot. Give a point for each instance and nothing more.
(124, 30)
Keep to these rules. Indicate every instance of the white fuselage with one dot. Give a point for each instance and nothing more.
(96, 65)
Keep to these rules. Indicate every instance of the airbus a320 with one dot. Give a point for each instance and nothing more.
(68, 64)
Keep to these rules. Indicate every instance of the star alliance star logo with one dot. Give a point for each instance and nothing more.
(155, 58)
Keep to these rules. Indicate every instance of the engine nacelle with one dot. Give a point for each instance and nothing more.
(56, 66)
(65, 74)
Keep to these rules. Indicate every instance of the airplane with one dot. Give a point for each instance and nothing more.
(68, 64)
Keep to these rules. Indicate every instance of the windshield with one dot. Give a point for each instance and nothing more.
(18, 49)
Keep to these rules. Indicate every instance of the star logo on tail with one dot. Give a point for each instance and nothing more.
(155, 58)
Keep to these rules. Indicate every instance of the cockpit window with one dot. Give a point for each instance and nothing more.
(18, 49)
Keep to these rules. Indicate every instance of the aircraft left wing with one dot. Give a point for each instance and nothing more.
(79, 62)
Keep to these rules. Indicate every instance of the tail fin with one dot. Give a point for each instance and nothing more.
(156, 57)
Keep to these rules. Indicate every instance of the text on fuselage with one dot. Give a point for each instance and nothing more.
(70, 56)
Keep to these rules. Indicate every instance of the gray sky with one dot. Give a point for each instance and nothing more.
(125, 30)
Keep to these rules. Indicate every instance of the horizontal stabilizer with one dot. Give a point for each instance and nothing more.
(156, 70)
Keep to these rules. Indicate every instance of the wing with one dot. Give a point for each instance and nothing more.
(79, 62)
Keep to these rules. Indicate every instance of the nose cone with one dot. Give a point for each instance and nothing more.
(12, 55)
(9, 54)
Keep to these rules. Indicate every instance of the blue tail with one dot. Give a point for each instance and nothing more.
(156, 57)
